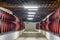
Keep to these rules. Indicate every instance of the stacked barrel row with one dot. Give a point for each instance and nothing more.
(10, 22)
(0, 20)
(51, 22)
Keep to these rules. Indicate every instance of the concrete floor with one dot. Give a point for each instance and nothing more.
(31, 38)
(31, 35)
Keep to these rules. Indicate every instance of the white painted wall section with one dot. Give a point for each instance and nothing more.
(30, 25)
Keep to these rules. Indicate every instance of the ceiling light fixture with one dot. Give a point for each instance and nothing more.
(31, 12)
(30, 15)
(30, 18)
(30, 7)
(33, 9)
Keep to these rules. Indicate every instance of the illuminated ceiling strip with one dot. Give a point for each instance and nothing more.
(30, 15)
(31, 12)
(30, 7)
(30, 18)
(33, 9)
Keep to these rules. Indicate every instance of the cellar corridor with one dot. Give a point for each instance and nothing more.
(29, 19)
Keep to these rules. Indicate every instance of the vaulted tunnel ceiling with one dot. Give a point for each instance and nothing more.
(45, 8)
